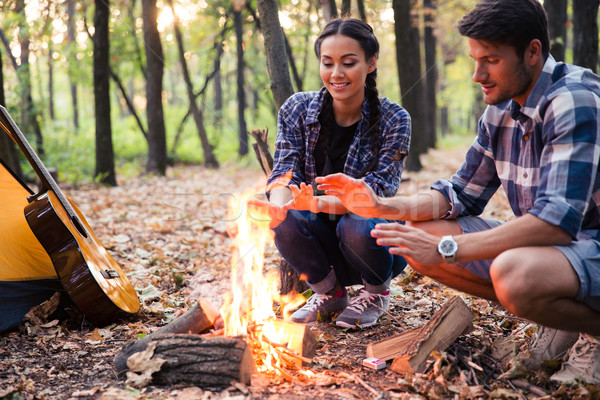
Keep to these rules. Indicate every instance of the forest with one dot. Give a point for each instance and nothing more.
(185, 81)
(145, 111)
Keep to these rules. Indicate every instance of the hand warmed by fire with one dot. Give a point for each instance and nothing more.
(248, 310)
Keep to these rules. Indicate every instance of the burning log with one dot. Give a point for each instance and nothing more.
(410, 350)
(195, 360)
(198, 319)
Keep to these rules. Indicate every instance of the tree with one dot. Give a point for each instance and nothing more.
(157, 142)
(72, 50)
(241, 94)
(8, 151)
(585, 33)
(209, 157)
(408, 58)
(277, 66)
(105, 164)
(329, 9)
(431, 73)
(557, 25)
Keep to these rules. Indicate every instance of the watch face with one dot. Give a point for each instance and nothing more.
(447, 247)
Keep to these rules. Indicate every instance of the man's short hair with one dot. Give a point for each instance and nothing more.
(512, 22)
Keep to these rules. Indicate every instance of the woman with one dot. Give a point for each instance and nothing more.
(345, 127)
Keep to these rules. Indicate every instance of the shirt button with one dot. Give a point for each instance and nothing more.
(526, 137)
(525, 175)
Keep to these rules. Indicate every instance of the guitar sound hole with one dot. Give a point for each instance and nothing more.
(79, 227)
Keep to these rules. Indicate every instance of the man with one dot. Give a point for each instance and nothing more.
(540, 139)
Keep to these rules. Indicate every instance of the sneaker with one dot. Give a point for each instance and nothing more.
(549, 344)
(583, 361)
(364, 310)
(320, 304)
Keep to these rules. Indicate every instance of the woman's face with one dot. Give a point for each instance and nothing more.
(344, 68)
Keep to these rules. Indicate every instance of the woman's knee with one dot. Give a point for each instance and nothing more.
(355, 231)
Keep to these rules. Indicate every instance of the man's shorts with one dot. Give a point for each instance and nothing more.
(584, 256)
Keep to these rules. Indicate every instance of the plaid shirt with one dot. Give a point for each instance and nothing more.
(544, 154)
(298, 129)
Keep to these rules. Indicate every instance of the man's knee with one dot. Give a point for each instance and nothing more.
(513, 279)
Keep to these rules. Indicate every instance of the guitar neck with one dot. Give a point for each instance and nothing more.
(8, 125)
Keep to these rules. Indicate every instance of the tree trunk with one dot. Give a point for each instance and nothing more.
(157, 144)
(346, 8)
(431, 73)
(50, 81)
(73, 56)
(105, 164)
(557, 25)
(361, 10)
(8, 150)
(408, 58)
(209, 157)
(277, 66)
(241, 94)
(585, 33)
(217, 87)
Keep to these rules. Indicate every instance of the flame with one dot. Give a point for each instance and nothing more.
(248, 309)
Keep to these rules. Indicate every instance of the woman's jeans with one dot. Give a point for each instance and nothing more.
(324, 248)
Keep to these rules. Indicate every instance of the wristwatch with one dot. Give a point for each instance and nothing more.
(448, 247)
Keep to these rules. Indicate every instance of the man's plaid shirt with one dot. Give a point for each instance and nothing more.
(544, 154)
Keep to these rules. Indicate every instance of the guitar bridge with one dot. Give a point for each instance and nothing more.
(110, 274)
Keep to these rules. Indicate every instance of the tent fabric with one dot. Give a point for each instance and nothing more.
(27, 276)
(22, 257)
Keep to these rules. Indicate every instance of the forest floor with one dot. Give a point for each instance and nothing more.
(170, 236)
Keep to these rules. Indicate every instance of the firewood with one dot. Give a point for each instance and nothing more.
(261, 149)
(299, 339)
(198, 319)
(410, 350)
(204, 362)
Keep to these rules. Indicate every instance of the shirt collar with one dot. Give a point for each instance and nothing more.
(520, 113)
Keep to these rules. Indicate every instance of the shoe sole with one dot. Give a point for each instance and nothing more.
(347, 325)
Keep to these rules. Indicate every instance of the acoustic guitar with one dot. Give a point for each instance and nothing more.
(88, 273)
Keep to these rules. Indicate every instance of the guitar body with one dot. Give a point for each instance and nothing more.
(89, 274)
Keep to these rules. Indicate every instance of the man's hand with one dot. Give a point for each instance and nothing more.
(409, 242)
(355, 194)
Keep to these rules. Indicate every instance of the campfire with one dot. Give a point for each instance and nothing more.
(249, 308)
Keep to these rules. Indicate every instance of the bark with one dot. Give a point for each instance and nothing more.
(157, 145)
(329, 11)
(241, 94)
(50, 81)
(557, 25)
(408, 58)
(277, 66)
(431, 73)
(209, 157)
(73, 63)
(585, 33)
(361, 10)
(346, 8)
(105, 164)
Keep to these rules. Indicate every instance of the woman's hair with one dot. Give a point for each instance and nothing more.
(363, 34)
(512, 22)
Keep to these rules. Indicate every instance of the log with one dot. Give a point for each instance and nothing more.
(198, 319)
(192, 359)
(410, 350)
(298, 338)
(261, 149)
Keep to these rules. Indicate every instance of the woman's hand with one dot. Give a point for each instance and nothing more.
(304, 198)
(261, 209)
(355, 194)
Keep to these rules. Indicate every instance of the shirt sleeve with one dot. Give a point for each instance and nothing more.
(288, 160)
(470, 189)
(395, 143)
(569, 160)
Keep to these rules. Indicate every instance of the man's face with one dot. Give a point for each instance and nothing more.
(500, 72)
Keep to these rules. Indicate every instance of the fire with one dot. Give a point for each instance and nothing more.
(248, 308)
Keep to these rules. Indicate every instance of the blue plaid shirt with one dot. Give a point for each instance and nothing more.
(544, 154)
(298, 130)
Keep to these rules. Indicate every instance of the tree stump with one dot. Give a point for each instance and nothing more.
(289, 279)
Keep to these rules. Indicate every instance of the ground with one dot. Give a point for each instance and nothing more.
(169, 234)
